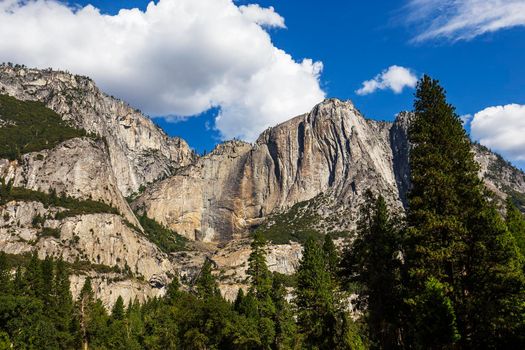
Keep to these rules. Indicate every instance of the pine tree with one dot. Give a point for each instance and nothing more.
(63, 306)
(374, 263)
(206, 285)
(314, 299)
(331, 256)
(118, 312)
(516, 224)
(285, 328)
(5, 275)
(260, 276)
(454, 234)
(260, 290)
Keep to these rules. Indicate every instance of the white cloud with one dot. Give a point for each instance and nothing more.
(263, 16)
(466, 118)
(176, 58)
(395, 78)
(463, 19)
(501, 128)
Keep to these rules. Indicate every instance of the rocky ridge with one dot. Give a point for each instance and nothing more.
(332, 151)
(140, 152)
(318, 164)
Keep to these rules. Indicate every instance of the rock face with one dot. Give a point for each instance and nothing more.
(140, 152)
(325, 159)
(79, 168)
(201, 201)
(332, 151)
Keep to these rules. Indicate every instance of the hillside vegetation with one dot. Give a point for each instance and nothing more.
(28, 126)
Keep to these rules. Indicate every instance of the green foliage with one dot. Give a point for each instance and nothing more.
(374, 264)
(296, 224)
(72, 205)
(37, 312)
(455, 236)
(206, 285)
(117, 313)
(260, 276)
(167, 240)
(29, 127)
(315, 301)
(515, 221)
(435, 317)
(49, 232)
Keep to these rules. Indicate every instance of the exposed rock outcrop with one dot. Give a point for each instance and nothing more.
(78, 168)
(331, 154)
(140, 152)
(332, 150)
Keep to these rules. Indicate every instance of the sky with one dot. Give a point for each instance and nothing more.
(211, 70)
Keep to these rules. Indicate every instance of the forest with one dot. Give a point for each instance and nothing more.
(448, 274)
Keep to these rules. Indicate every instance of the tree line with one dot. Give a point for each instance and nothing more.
(450, 274)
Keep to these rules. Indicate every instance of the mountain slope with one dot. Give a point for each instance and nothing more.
(140, 152)
(329, 156)
(65, 196)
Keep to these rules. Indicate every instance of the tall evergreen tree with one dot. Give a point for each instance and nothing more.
(331, 256)
(260, 290)
(314, 298)
(285, 328)
(118, 312)
(516, 224)
(5, 275)
(260, 276)
(454, 235)
(374, 264)
(206, 285)
(63, 306)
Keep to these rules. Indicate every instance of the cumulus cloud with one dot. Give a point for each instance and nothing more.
(176, 58)
(395, 78)
(501, 128)
(463, 19)
(263, 16)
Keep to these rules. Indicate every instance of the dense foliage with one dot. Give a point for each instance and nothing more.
(455, 235)
(28, 126)
(167, 240)
(37, 311)
(296, 224)
(72, 205)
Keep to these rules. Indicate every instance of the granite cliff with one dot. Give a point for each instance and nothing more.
(310, 171)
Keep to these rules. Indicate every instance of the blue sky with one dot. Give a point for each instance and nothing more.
(357, 40)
